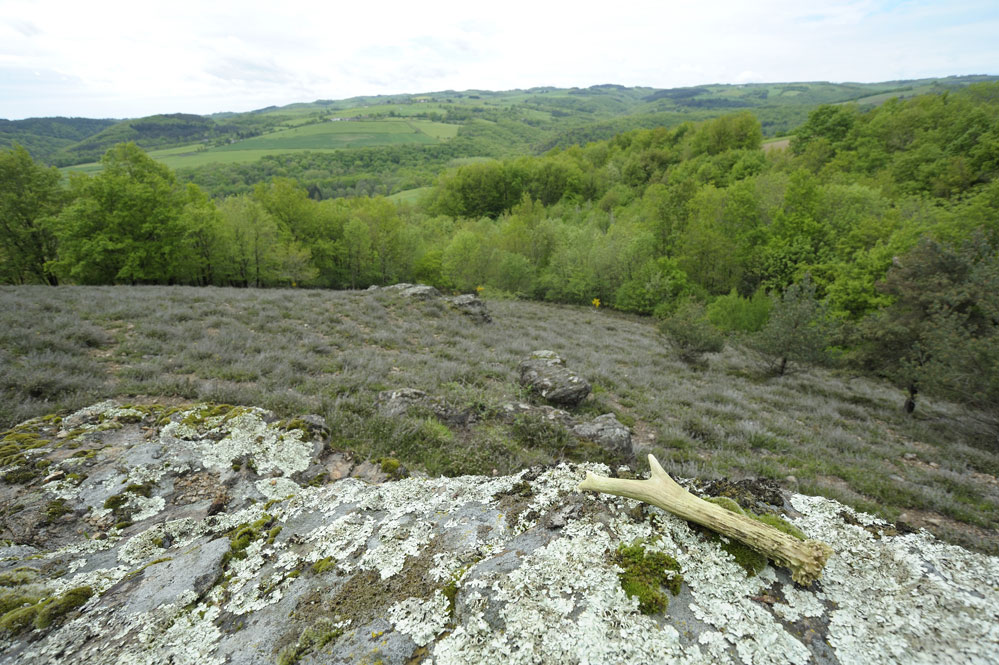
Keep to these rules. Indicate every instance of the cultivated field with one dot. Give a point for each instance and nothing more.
(313, 137)
(331, 353)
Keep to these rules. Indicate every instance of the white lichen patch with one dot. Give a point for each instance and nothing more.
(247, 435)
(422, 620)
(146, 507)
(908, 598)
(723, 594)
(340, 539)
(277, 488)
(562, 605)
(395, 542)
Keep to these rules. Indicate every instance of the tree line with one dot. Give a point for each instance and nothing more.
(887, 218)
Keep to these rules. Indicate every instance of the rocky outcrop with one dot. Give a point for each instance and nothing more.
(607, 432)
(471, 306)
(544, 373)
(130, 559)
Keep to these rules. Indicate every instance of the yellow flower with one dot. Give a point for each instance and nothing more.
(596, 302)
(480, 289)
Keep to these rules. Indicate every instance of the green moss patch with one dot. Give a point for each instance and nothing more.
(648, 575)
(22, 612)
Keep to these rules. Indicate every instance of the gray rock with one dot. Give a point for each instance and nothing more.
(398, 402)
(545, 374)
(493, 570)
(606, 432)
(421, 292)
(471, 306)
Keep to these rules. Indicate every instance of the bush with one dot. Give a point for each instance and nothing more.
(690, 332)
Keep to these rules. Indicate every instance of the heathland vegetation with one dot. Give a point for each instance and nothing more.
(870, 244)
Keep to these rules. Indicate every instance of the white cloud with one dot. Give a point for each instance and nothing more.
(121, 58)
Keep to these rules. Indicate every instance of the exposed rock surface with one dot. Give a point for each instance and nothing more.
(607, 432)
(545, 374)
(471, 306)
(400, 401)
(515, 569)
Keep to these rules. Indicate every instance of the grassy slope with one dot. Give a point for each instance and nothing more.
(332, 352)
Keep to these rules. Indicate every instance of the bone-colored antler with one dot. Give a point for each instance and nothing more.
(805, 558)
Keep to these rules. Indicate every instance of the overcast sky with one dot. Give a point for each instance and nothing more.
(133, 58)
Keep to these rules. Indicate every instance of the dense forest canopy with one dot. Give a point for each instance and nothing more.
(886, 217)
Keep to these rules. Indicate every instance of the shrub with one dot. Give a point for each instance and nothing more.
(690, 332)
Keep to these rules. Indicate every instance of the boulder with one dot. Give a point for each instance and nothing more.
(607, 432)
(511, 569)
(471, 306)
(544, 373)
(421, 292)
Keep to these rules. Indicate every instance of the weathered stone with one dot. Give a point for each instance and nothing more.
(511, 410)
(513, 570)
(471, 306)
(606, 432)
(398, 402)
(545, 374)
(421, 292)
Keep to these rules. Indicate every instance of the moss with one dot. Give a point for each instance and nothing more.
(54, 611)
(17, 620)
(145, 489)
(645, 574)
(115, 501)
(313, 637)
(324, 564)
(17, 577)
(273, 533)
(13, 600)
(243, 535)
(56, 509)
(726, 503)
(20, 476)
(781, 524)
(21, 612)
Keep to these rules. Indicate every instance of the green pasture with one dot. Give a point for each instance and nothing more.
(312, 137)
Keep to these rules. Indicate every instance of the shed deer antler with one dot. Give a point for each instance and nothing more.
(805, 558)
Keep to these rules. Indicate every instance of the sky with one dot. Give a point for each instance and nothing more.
(118, 59)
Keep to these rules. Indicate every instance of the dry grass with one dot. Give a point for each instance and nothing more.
(332, 352)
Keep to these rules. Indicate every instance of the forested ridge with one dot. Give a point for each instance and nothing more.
(876, 228)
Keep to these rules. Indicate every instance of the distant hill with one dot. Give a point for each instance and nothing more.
(485, 123)
(44, 137)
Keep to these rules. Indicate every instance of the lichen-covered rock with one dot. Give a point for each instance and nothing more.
(421, 292)
(516, 569)
(398, 402)
(471, 306)
(545, 374)
(607, 432)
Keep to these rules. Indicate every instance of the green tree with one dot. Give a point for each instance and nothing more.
(690, 332)
(798, 331)
(30, 196)
(939, 334)
(124, 225)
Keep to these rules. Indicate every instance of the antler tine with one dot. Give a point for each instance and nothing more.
(806, 559)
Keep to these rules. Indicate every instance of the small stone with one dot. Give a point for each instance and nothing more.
(909, 456)
(897, 478)
(790, 480)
